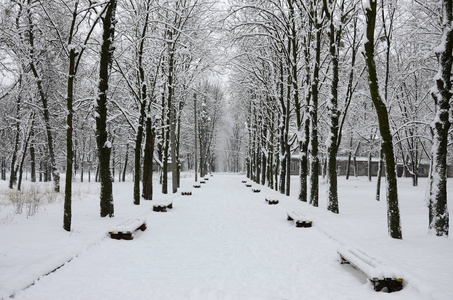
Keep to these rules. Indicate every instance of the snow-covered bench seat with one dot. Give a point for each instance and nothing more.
(125, 230)
(300, 220)
(271, 201)
(380, 274)
(162, 205)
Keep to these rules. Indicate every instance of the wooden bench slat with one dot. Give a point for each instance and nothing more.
(378, 272)
(124, 230)
(162, 205)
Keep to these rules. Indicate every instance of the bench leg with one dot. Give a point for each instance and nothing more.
(122, 236)
(142, 227)
(390, 284)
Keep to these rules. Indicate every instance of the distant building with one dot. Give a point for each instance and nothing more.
(362, 167)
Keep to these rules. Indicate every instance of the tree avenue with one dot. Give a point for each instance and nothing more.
(273, 89)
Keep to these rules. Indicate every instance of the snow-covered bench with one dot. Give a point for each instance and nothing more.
(244, 181)
(186, 193)
(162, 205)
(248, 185)
(300, 220)
(197, 186)
(256, 190)
(378, 272)
(271, 201)
(125, 230)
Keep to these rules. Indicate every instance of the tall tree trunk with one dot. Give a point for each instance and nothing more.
(32, 152)
(332, 107)
(3, 171)
(441, 93)
(125, 163)
(148, 160)
(143, 103)
(393, 215)
(103, 144)
(12, 177)
(283, 133)
(24, 154)
(379, 174)
(42, 95)
(138, 153)
(67, 216)
(314, 160)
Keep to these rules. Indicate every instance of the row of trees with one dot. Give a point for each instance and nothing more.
(318, 78)
(150, 59)
(323, 78)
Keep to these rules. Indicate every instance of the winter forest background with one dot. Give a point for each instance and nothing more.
(112, 90)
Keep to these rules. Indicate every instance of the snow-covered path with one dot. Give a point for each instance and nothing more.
(223, 242)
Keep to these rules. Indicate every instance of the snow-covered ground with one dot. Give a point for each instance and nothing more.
(223, 242)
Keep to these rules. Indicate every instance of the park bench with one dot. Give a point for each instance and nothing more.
(197, 186)
(162, 205)
(256, 190)
(186, 193)
(271, 201)
(379, 273)
(300, 220)
(244, 181)
(206, 178)
(248, 185)
(125, 230)
(202, 181)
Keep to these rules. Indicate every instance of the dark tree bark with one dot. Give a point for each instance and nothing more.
(441, 93)
(12, 177)
(24, 154)
(32, 152)
(103, 144)
(43, 97)
(283, 133)
(379, 174)
(148, 160)
(314, 160)
(69, 132)
(393, 215)
(332, 107)
(143, 104)
(126, 158)
(3, 168)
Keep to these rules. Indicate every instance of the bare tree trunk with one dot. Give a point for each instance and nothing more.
(32, 152)
(332, 107)
(148, 161)
(314, 160)
(103, 144)
(43, 97)
(24, 154)
(441, 93)
(379, 174)
(393, 215)
(12, 177)
(125, 163)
